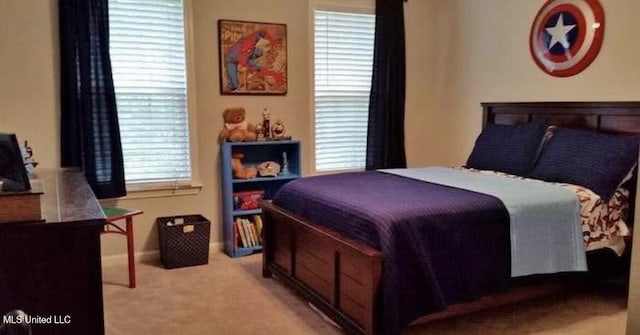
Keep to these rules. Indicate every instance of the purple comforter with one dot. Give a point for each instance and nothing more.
(441, 245)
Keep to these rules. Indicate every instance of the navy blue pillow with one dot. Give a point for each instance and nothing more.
(596, 161)
(507, 148)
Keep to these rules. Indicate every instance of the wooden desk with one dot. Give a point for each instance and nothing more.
(53, 268)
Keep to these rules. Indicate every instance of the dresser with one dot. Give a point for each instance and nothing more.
(51, 269)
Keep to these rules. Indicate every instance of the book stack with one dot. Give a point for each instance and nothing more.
(249, 232)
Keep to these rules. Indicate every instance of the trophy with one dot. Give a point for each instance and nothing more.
(285, 165)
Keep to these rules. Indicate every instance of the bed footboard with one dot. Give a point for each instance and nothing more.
(338, 275)
(341, 276)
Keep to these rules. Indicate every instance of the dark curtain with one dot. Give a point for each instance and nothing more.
(385, 136)
(90, 135)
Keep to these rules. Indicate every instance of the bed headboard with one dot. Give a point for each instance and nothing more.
(608, 117)
(616, 117)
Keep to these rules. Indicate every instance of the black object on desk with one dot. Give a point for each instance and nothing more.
(13, 174)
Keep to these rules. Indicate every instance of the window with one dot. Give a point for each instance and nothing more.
(343, 52)
(147, 47)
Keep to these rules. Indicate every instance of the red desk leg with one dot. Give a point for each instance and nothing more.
(130, 250)
(113, 215)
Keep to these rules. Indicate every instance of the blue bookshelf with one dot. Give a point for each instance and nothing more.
(267, 179)
(254, 154)
(247, 212)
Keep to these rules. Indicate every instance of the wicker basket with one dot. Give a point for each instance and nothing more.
(184, 240)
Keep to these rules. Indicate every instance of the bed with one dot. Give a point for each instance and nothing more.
(342, 272)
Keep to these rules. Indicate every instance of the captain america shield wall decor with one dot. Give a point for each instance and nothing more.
(566, 36)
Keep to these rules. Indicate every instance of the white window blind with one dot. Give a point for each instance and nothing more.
(147, 49)
(343, 63)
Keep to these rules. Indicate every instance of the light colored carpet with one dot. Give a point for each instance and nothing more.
(229, 296)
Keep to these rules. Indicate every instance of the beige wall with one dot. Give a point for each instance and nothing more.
(486, 56)
(29, 75)
(423, 132)
(488, 60)
(459, 53)
(29, 93)
(292, 109)
(29, 96)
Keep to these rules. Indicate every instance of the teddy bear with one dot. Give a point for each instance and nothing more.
(236, 128)
(239, 170)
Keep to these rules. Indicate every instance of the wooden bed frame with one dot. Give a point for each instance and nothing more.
(342, 276)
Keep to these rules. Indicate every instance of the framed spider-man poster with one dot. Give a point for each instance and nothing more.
(253, 58)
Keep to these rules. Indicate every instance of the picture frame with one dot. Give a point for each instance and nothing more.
(13, 172)
(252, 58)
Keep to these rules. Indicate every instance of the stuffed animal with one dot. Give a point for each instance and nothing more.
(239, 170)
(236, 128)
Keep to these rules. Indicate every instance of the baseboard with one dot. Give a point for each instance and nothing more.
(148, 256)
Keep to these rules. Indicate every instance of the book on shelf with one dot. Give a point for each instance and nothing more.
(247, 232)
(240, 229)
(258, 221)
(236, 235)
(254, 233)
(256, 228)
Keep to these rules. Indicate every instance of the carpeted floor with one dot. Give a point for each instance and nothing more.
(229, 296)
